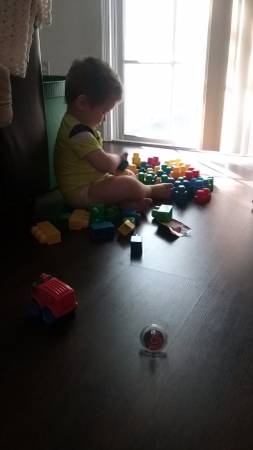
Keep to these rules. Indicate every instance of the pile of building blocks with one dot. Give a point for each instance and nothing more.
(112, 218)
(105, 221)
(102, 221)
(186, 181)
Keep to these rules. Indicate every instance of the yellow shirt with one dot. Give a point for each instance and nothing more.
(74, 141)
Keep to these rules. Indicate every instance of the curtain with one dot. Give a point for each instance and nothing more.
(237, 123)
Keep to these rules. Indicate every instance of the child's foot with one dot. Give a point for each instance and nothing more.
(140, 206)
(161, 191)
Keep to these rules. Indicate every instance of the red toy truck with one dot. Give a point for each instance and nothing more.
(52, 298)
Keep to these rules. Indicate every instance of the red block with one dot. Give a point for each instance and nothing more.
(195, 173)
(202, 196)
(188, 174)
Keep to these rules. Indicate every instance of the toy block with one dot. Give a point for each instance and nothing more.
(149, 178)
(97, 212)
(210, 183)
(141, 177)
(162, 213)
(126, 227)
(136, 246)
(130, 214)
(136, 159)
(180, 195)
(102, 231)
(79, 219)
(113, 214)
(202, 196)
(46, 233)
(197, 183)
(164, 178)
(153, 161)
(143, 165)
(182, 169)
(188, 174)
(175, 173)
(195, 173)
(171, 180)
(171, 162)
(186, 183)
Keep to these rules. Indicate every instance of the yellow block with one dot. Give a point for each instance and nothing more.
(136, 159)
(126, 227)
(175, 172)
(79, 219)
(46, 233)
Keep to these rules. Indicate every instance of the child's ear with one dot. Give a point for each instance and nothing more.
(81, 102)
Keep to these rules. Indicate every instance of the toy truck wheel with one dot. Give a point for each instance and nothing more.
(34, 310)
(48, 317)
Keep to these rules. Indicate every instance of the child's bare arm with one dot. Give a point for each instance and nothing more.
(104, 162)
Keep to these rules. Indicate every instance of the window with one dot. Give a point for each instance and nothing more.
(172, 58)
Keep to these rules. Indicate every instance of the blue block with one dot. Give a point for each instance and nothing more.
(102, 231)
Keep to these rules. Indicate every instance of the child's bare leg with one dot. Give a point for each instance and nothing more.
(118, 189)
(126, 188)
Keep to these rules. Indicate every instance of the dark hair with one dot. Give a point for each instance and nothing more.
(94, 78)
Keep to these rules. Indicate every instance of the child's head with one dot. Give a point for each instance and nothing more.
(92, 89)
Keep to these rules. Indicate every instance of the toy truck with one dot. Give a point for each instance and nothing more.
(52, 298)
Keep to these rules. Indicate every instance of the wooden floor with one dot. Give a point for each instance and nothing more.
(84, 385)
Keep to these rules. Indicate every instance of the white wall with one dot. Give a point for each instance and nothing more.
(75, 32)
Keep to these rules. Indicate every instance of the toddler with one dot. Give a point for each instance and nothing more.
(85, 173)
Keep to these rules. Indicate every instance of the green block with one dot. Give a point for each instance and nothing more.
(97, 212)
(149, 178)
(62, 222)
(112, 214)
(141, 177)
(210, 183)
(162, 213)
